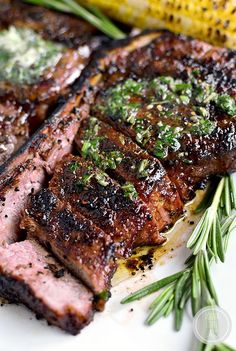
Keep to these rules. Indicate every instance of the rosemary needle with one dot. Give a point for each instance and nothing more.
(199, 237)
(205, 202)
(151, 288)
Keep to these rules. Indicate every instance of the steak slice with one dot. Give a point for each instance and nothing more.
(23, 180)
(14, 130)
(126, 161)
(27, 171)
(84, 249)
(29, 275)
(175, 97)
(114, 209)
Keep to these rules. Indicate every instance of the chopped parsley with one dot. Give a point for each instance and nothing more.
(167, 139)
(130, 191)
(24, 55)
(143, 133)
(84, 181)
(203, 127)
(169, 90)
(118, 100)
(143, 168)
(203, 93)
(227, 104)
(202, 111)
(111, 159)
(93, 128)
(132, 86)
(91, 149)
(102, 178)
(74, 166)
(102, 159)
(104, 295)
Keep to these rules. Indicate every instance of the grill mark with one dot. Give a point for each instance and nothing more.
(84, 249)
(106, 206)
(155, 189)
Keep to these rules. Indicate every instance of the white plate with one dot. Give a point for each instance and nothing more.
(119, 327)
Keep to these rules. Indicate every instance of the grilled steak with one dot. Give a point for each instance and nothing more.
(66, 218)
(29, 275)
(81, 246)
(175, 97)
(125, 161)
(42, 53)
(171, 95)
(14, 130)
(116, 210)
(23, 180)
(26, 171)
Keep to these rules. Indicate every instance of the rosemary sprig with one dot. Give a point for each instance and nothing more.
(209, 221)
(93, 15)
(208, 242)
(207, 199)
(219, 347)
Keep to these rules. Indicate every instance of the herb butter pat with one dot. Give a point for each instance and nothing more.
(24, 55)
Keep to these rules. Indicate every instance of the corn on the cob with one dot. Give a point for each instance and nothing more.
(211, 20)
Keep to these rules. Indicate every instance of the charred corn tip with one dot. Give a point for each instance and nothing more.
(209, 20)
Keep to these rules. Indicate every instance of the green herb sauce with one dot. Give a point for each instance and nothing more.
(102, 178)
(168, 138)
(130, 191)
(119, 103)
(24, 55)
(104, 295)
(203, 127)
(84, 181)
(91, 148)
(227, 104)
(143, 168)
(108, 159)
(181, 106)
(74, 166)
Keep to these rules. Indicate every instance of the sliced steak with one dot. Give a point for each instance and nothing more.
(118, 155)
(175, 97)
(14, 129)
(23, 180)
(26, 171)
(86, 250)
(29, 275)
(116, 210)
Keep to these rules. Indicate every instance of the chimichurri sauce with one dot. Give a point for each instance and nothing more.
(166, 109)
